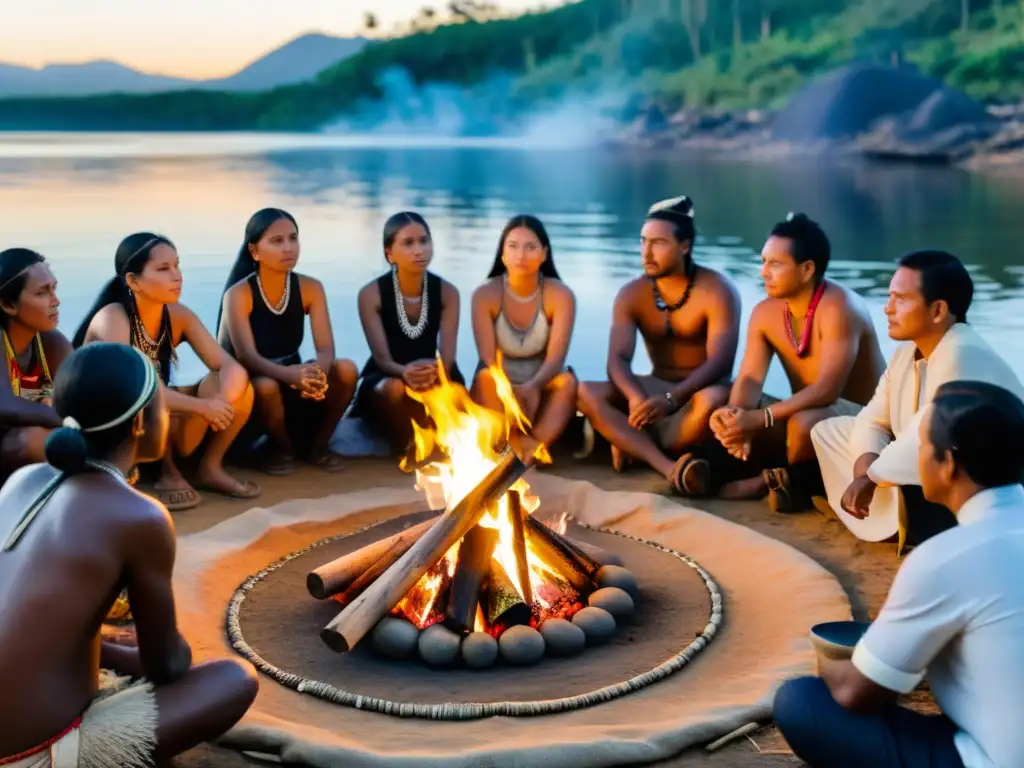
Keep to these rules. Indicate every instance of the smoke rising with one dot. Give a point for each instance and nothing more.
(494, 108)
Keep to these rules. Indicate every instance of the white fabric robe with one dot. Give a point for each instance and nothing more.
(888, 424)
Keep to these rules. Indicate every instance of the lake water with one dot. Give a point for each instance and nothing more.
(73, 197)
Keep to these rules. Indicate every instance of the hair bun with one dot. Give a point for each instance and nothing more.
(799, 218)
(66, 450)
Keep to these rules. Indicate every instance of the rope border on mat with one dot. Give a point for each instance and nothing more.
(470, 710)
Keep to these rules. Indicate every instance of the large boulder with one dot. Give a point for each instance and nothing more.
(846, 102)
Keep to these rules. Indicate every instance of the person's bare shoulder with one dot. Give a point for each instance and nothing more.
(716, 289)
(558, 293)
(764, 311)
(488, 293)
(632, 293)
(56, 346)
(109, 324)
(838, 302)
(240, 294)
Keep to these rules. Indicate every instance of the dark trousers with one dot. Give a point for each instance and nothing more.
(822, 733)
(767, 451)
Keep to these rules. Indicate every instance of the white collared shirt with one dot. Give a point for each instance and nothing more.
(887, 425)
(955, 613)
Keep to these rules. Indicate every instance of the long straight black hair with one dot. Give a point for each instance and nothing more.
(131, 257)
(245, 264)
(532, 223)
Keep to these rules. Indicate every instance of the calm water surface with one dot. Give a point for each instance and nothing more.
(73, 197)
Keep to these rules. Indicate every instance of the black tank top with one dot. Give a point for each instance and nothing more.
(277, 337)
(403, 349)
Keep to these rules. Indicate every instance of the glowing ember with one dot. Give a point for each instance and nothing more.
(462, 445)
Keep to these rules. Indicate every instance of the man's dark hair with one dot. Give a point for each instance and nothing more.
(810, 243)
(943, 278)
(982, 425)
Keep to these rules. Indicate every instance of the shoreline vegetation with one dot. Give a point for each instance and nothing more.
(934, 81)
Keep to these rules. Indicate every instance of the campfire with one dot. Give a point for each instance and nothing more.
(481, 575)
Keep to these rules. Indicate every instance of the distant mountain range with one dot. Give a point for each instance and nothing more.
(296, 61)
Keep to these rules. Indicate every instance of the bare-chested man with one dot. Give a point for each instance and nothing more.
(689, 319)
(72, 535)
(824, 338)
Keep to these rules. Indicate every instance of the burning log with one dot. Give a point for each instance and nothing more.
(464, 598)
(515, 509)
(341, 574)
(570, 563)
(359, 617)
(502, 604)
(595, 553)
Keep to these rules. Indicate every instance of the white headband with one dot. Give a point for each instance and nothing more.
(148, 388)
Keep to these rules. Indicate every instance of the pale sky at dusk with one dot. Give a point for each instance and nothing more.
(187, 38)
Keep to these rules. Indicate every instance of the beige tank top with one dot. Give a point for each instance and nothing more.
(523, 349)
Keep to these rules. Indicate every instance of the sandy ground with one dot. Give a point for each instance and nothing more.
(865, 570)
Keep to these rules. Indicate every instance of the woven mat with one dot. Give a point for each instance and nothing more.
(773, 595)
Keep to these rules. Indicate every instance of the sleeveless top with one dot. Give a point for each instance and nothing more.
(522, 349)
(277, 336)
(35, 383)
(403, 349)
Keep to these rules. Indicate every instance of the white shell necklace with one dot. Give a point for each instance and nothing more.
(410, 330)
(282, 305)
(515, 296)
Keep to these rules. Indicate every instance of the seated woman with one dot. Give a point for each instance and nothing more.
(264, 316)
(140, 307)
(409, 315)
(523, 320)
(33, 350)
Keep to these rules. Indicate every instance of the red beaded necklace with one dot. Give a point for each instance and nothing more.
(805, 337)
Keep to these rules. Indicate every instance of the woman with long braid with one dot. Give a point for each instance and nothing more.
(140, 306)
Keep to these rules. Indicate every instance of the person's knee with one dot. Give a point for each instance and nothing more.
(566, 383)
(393, 391)
(590, 395)
(266, 388)
(794, 706)
(708, 400)
(346, 373)
(22, 446)
(238, 681)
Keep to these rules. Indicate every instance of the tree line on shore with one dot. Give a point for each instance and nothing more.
(681, 53)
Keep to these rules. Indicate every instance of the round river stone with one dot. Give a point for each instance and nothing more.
(394, 638)
(597, 624)
(617, 576)
(614, 600)
(479, 650)
(563, 638)
(439, 646)
(521, 645)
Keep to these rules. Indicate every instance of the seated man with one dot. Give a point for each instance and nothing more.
(689, 319)
(823, 336)
(72, 534)
(955, 614)
(869, 462)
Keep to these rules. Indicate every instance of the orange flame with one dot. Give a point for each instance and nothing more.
(451, 456)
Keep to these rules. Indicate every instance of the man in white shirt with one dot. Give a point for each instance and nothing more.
(955, 614)
(869, 462)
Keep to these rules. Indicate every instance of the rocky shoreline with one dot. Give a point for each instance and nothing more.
(841, 115)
